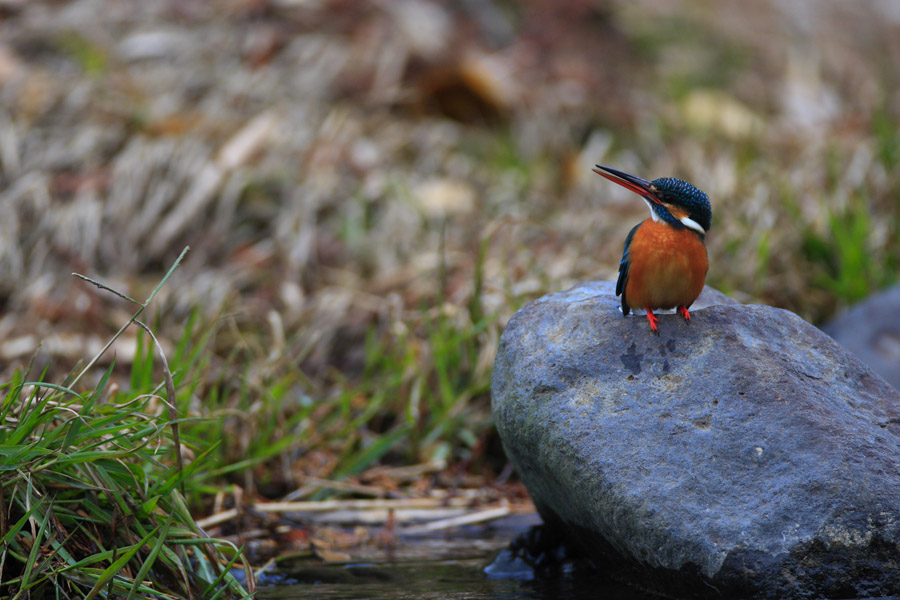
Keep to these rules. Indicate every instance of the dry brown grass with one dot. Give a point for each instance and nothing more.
(304, 151)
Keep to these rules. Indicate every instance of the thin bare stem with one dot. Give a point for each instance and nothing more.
(103, 286)
(133, 317)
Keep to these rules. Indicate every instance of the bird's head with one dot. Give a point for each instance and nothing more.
(672, 201)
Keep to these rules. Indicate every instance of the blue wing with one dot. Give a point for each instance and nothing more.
(623, 270)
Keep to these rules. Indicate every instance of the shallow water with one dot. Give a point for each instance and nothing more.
(445, 580)
(451, 566)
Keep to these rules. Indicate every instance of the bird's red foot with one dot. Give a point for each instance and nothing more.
(653, 321)
(684, 313)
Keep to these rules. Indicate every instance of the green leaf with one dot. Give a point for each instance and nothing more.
(118, 564)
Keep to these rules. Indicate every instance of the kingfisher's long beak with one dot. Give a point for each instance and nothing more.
(639, 186)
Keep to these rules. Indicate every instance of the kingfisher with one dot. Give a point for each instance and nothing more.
(664, 264)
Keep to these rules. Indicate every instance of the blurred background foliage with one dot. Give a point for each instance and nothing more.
(370, 188)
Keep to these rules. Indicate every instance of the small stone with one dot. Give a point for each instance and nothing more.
(871, 331)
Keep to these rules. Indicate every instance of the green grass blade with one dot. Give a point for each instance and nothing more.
(35, 549)
(118, 564)
(374, 451)
(7, 539)
(168, 274)
(151, 558)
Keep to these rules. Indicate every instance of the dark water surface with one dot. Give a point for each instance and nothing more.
(448, 566)
(447, 579)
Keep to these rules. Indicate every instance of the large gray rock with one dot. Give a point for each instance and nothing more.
(871, 331)
(743, 454)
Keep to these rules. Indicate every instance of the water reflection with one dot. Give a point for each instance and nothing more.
(470, 564)
(450, 580)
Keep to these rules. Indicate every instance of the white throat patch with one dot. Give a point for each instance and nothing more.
(652, 212)
(692, 224)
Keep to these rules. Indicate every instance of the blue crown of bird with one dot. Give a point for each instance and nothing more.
(664, 263)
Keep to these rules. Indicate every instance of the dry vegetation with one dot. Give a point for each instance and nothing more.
(370, 189)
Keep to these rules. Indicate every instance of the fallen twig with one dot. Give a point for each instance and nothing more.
(477, 517)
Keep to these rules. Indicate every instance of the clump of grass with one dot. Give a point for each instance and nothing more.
(92, 498)
(426, 395)
(421, 395)
(851, 268)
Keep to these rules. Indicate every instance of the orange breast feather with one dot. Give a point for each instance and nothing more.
(667, 267)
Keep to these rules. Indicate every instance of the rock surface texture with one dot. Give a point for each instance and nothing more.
(743, 454)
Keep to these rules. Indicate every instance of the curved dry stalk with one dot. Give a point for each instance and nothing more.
(170, 400)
